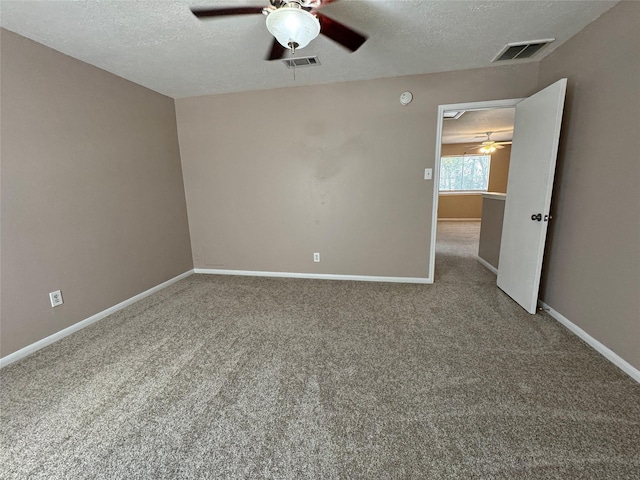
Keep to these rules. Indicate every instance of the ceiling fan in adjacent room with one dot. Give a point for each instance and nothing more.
(489, 146)
(293, 23)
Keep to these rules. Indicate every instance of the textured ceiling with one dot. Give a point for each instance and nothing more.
(470, 125)
(161, 45)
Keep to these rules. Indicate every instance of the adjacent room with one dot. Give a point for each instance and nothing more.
(319, 239)
(472, 181)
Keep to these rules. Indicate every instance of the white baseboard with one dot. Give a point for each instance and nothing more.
(459, 219)
(606, 352)
(486, 264)
(34, 347)
(317, 276)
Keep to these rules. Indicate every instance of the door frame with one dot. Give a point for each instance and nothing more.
(468, 106)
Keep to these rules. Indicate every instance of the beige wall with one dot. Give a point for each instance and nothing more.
(592, 267)
(451, 206)
(273, 176)
(491, 230)
(499, 172)
(92, 193)
(470, 205)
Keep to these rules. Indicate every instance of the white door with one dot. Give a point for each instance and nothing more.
(531, 171)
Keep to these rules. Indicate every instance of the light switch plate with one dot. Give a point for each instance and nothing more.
(428, 173)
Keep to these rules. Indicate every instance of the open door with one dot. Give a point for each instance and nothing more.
(531, 171)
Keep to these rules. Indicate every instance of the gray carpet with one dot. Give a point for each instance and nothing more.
(239, 377)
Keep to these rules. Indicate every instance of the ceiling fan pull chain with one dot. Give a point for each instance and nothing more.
(293, 54)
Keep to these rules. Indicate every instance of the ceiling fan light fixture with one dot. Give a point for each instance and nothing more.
(292, 26)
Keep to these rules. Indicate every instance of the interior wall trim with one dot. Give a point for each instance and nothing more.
(606, 352)
(487, 265)
(317, 276)
(34, 347)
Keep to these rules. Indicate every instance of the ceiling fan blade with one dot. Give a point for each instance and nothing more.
(340, 33)
(504, 143)
(223, 11)
(276, 52)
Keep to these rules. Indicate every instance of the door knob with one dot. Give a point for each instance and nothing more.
(537, 217)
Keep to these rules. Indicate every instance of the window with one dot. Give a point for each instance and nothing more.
(468, 173)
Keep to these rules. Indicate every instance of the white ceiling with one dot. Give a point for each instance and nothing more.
(161, 45)
(467, 128)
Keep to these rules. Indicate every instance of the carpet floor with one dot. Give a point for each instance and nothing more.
(241, 377)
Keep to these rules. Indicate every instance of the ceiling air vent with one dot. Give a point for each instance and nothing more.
(521, 50)
(302, 62)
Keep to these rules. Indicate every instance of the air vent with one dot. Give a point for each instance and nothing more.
(521, 50)
(302, 62)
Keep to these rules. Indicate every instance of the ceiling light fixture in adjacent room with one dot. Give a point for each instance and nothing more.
(489, 146)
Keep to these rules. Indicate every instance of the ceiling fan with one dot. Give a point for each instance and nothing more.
(293, 23)
(489, 146)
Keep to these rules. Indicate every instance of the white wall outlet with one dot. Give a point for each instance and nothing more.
(316, 257)
(428, 173)
(56, 298)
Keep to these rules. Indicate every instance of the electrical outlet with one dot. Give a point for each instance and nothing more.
(316, 257)
(56, 298)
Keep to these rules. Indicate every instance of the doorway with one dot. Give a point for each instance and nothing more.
(537, 125)
(462, 130)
